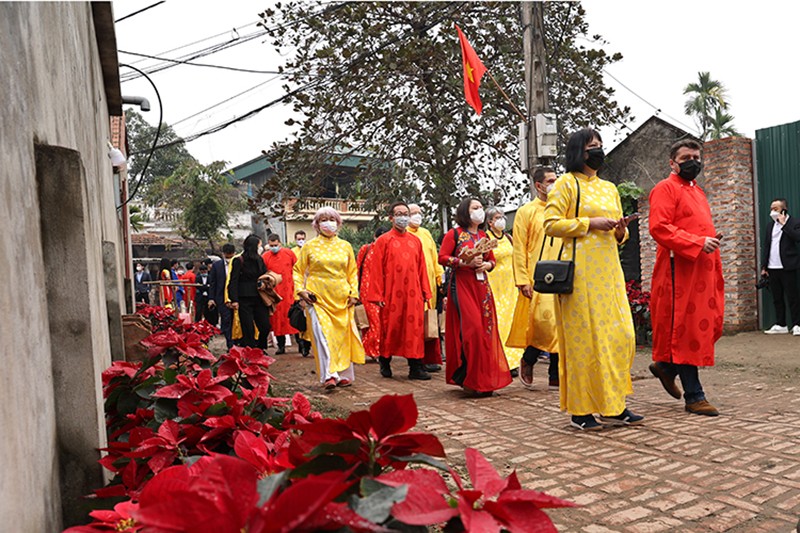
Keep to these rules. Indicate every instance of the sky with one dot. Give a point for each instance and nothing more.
(664, 46)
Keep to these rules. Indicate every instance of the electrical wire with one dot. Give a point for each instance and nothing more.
(178, 61)
(155, 140)
(225, 101)
(234, 30)
(140, 11)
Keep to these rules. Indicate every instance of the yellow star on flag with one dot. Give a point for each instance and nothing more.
(469, 72)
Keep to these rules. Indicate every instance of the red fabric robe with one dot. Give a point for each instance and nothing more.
(282, 263)
(475, 356)
(687, 315)
(189, 277)
(370, 337)
(399, 279)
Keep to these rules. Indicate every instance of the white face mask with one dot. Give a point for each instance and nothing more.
(329, 226)
(550, 188)
(774, 215)
(301, 242)
(500, 224)
(401, 222)
(477, 216)
(139, 268)
(415, 220)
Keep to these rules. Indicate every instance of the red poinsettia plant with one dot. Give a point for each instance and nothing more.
(639, 301)
(198, 444)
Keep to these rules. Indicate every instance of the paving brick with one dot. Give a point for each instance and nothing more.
(697, 511)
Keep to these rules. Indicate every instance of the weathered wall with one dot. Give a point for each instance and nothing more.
(727, 180)
(53, 96)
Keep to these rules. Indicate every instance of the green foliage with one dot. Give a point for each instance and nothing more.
(707, 103)
(357, 238)
(203, 197)
(165, 161)
(392, 87)
(137, 218)
(629, 194)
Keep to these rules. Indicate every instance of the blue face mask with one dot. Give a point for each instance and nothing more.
(274, 249)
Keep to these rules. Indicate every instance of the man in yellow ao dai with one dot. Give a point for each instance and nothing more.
(534, 324)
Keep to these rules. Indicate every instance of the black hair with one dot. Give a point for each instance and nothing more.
(190, 265)
(228, 248)
(299, 232)
(203, 266)
(576, 146)
(462, 213)
(684, 143)
(396, 204)
(540, 173)
(207, 261)
(273, 237)
(380, 230)
(250, 246)
(783, 201)
(164, 265)
(173, 263)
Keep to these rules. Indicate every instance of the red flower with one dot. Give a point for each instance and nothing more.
(217, 494)
(163, 448)
(189, 344)
(120, 519)
(195, 395)
(251, 362)
(427, 501)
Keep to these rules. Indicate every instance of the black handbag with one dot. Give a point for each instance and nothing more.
(556, 277)
(297, 317)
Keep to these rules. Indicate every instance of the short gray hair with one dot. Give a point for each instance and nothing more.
(492, 211)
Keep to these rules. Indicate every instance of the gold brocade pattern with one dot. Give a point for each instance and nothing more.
(501, 279)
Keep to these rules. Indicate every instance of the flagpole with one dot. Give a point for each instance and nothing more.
(524, 119)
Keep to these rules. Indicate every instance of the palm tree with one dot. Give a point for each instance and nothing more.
(137, 218)
(721, 126)
(706, 96)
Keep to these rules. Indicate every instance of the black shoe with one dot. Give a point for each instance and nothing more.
(418, 373)
(626, 418)
(386, 367)
(514, 372)
(280, 351)
(431, 368)
(586, 423)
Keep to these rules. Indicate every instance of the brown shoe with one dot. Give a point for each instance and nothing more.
(526, 375)
(702, 408)
(666, 381)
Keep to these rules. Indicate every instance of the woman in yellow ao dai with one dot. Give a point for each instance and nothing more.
(595, 328)
(326, 279)
(501, 280)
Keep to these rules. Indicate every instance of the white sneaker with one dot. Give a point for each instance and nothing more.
(777, 330)
(796, 331)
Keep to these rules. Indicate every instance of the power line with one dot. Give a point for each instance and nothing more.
(225, 101)
(140, 11)
(234, 31)
(222, 67)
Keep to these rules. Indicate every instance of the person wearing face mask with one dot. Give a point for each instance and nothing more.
(596, 338)
(780, 262)
(433, 347)
(326, 283)
(217, 291)
(244, 297)
(399, 286)
(475, 358)
(501, 280)
(281, 261)
(371, 336)
(299, 241)
(534, 323)
(688, 296)
(141, 278)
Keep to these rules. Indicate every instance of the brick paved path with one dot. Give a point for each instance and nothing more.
(677, 472)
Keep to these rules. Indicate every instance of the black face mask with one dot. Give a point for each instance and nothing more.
(595, 158)
(690, 169)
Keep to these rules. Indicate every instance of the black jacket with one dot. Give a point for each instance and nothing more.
(790, 257)
(244, 277)
(203, 292)
(140, 286)
(216, 282)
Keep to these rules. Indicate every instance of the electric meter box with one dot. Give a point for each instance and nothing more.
(546, 135)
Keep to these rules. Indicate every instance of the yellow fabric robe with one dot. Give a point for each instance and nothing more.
(501, 280)
(535, 318)
(595, 328)
(435, 270)
(327, 269)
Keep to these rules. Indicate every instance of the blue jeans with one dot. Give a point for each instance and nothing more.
(690, 379)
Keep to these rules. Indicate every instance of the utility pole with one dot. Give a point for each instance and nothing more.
(536, 94)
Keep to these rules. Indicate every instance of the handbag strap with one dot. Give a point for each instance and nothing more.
(574, 239)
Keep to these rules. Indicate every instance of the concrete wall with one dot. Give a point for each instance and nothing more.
(55, 218)
(727, 180)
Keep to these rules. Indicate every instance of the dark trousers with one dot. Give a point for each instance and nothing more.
(143, 297)
(784, 283)
(281, 340)
(201, 311)
(303, 345)
(690, 379)
(252, 310)
(226, 323)
(531, 355)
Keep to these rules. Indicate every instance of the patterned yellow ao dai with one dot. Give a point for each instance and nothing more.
(501, 280)
(595, 328)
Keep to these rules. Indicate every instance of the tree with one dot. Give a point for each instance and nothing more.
(163, 163)
(722, 126)
(137, 218)
(708, 99)
(384, 79)
(203, 197)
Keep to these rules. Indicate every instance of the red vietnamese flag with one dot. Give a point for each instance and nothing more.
(473, 72)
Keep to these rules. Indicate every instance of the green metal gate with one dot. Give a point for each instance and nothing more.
(777, 158)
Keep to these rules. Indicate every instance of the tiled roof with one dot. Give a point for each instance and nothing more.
(152, 239)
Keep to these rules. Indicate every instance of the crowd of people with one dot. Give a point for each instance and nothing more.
(495, 325)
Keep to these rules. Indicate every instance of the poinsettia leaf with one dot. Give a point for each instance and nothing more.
(165, 409)
(338, 516)
(127, 402)
(483, 475)
(217, 409)
(319, 465)
(347, 447)
(413, 443)
(146, 388)
(170, 358)
(539, 499)
(169, 375)
(427, 500)
(393, 414)
(422, 458)
(520, 516)
(267, 486)
(478, 520)
(377, 506)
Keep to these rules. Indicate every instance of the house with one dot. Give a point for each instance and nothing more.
(62, 248)
(250, 176)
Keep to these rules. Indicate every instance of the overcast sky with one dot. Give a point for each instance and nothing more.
(664, 45)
